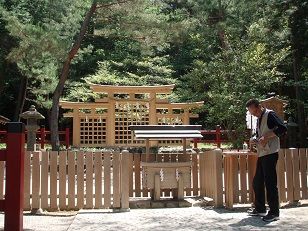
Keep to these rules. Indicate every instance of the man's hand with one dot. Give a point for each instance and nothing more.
(253, 141)
(263, 140)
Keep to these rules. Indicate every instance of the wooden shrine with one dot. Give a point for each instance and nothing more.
(106, 121)
(175, 174)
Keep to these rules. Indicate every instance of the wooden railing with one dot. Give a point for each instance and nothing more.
(43, 137)
(291, 176)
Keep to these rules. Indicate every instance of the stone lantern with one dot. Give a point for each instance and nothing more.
(32, 117)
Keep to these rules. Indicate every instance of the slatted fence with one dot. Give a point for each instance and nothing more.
(68, 180)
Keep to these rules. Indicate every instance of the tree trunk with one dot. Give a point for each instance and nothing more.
(299, 102)
(21, 98)
(63, 77)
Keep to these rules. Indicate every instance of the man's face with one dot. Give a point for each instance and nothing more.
(255, 110)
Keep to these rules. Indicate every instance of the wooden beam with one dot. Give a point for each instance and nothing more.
(132, 89)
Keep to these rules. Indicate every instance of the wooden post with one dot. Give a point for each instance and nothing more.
(147, 152)
(125, 180)
(116, 180)
(156, 187)
(218, 191)
(110, 132)
(36, 181)
(152, 113)
(13, 220)
(180, 187)
(67, 137)
(76, 130)
(218, 136)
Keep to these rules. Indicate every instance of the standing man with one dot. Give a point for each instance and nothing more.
(269, 129)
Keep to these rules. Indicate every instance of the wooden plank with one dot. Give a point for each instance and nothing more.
(229, 181)
(281, 176)
(98, 163)
(80, 180)
(202, 169)
(182, 158)
(125, 180)
(168, 164)
(169, 136)
(243, 176)
(71, 179)
(252, 164)
(107, 179)
(62, 179)
(173, 159)
(53, 180)
(89, 180)
(137, 175)
(27, 177)
(144, 190)
(296, 183)
(165, 127)
(218, 192)
(195, 175)
(167, 132)
(131, 175)
(157, 187)
(289, 172)
(304, 171)
(166, 158)
(116, 180)
(235, 180)
(36, 180)
(44, 180)
(181, 187)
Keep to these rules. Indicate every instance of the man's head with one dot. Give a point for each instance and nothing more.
(254, 107)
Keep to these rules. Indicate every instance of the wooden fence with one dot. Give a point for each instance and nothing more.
(74, 180)
(69, 180)
(291, 176)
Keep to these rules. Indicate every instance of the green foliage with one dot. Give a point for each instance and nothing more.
(45, 31)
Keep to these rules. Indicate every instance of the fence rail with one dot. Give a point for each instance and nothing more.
(42, 137)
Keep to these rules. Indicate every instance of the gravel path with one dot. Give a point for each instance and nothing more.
(192, 218)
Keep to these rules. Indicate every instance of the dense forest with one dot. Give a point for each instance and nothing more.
(222, 52)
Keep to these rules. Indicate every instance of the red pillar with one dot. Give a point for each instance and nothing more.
(14, 191)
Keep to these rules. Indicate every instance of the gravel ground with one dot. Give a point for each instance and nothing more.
(192, 218)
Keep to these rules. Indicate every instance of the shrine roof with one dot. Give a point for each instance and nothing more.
(162, 89)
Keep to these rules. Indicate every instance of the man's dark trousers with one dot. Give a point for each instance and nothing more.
(266, 173)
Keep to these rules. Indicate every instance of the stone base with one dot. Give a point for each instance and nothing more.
(148, 203)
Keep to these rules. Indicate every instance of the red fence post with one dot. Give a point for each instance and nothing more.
(67, 137)
(218, 137)
(14, 187)
(43, 137)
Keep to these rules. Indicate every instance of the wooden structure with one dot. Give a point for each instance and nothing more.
(14, 156)
(275, 104)
(231, 161)
(167, 175)
(105, 122)
(69, 180)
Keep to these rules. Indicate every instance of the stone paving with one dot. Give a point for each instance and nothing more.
(192, 218)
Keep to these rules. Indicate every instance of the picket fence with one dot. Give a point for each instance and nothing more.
(71, 180)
